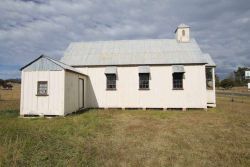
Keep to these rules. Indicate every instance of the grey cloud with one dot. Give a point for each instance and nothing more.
(29, 28)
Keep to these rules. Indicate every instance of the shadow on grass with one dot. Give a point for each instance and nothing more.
(81, 111)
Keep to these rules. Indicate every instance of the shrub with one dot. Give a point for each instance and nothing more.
(227, 83)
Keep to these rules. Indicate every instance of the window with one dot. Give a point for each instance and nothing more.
(111, 81)
(42, 88)
(209, 78)
(144, 81)
(183, 32)
(178, 81)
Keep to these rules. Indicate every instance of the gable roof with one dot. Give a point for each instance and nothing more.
(44, 63)
(133, 52)
(182, 26)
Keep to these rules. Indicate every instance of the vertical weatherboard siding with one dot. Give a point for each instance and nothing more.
(72, 91)
(53, 104)
(160, 95)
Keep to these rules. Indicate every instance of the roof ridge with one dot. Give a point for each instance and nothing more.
(148, 39)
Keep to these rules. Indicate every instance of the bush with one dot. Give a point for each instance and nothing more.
(227, 83)
(2, 82)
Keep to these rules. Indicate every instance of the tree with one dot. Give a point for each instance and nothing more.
(217, 80)
(2, 82)
(227, 83)
(239, 76)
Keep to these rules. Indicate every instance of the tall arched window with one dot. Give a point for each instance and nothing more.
(183, 32)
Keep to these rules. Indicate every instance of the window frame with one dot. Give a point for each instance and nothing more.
(111, 82)
(39, 83)
(178, 81)
(144, 82)
(209, 78)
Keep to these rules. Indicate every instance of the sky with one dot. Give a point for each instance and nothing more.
(29, 28)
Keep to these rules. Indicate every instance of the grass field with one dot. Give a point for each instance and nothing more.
(218, 137)
(235, 90)
(10, 99)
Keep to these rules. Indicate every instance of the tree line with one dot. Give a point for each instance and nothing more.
(7, 83)
(235, 78)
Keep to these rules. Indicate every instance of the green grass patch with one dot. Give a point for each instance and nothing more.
(9, 114)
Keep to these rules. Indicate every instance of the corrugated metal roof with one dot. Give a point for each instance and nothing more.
(44, 63)
(133, 52)
(209, 60)
(64, 66)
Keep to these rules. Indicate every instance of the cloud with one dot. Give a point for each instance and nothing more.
(9, 71)
(29, 28)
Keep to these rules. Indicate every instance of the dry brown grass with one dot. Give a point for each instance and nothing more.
(13, 94)
(241, 89)
(218, 137)
(10, 99)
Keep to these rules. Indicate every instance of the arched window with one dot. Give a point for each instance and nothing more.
(183, 32)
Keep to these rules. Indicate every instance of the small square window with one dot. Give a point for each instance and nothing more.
(42, 88)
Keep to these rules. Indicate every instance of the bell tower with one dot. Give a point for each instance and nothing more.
(182, 33)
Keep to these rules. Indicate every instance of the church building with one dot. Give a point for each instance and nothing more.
(126, 74)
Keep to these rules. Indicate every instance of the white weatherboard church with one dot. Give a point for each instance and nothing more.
(148, 73)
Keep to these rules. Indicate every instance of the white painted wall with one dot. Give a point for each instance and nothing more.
(73, 92)
(53, 104)
(160, 94)
(64, 89)
(63, 93)
(81, 93)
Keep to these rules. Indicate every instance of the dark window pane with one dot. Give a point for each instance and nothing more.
(209, 78)
(144, 81)
(177, 80)
(111, 81)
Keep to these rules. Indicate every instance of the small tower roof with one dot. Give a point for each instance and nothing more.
(182, 26)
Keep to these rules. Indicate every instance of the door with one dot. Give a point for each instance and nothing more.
(81, 93)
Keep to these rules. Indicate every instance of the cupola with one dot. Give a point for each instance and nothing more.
(182, 33)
